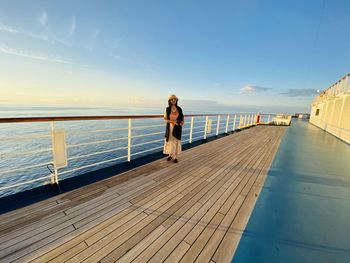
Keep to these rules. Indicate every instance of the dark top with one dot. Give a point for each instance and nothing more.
(177, 131)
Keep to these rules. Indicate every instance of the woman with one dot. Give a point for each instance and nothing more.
(174, 119)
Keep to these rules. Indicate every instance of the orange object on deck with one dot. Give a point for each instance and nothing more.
(258, 118)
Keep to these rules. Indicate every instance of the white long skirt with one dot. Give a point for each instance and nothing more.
(173, 145)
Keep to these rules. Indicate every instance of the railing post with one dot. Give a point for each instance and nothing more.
(234, 123)
(205, 128)
(54, 175)
(240, 120)
(191, 128)
(345, 83)
(129, 140)
(268, 119)
(245, 120)
(227, 120)
(218, 126)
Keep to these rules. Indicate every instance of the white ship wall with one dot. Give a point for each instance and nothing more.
(333, 107)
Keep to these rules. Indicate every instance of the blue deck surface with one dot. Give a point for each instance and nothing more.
(303, 211)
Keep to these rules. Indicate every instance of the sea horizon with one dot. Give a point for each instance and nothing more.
(44, 110)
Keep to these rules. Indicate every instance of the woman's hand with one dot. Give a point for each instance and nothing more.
(169, 121)
(181, 123)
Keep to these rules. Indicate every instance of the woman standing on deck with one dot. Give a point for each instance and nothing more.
(174, 119)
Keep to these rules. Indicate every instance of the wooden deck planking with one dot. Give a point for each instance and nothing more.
(204, 249)
(127, 218)
(202, 222)
(114, 255)
(148, 251)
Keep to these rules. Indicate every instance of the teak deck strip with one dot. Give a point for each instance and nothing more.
(195, 210)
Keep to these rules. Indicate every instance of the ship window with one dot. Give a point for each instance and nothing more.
(317, 112)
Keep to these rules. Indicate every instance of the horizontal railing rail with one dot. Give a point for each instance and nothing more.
(342, 86)
(95, 118)
(83, 151)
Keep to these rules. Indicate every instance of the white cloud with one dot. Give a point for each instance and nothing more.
(42, 57)
(7, 28)
(72, 27)
(43, 18)
(43, 38)
(63, 42)
(250, 89)
(10, 29)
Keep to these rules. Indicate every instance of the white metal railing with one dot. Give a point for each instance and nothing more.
(342, 86)
(126, 145)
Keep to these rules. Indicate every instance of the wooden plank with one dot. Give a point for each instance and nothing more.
(105, 245)
(142, 245)
(84, 235)
(20, 253)
(196, 230)
(79, 219)
(230, 239)
(114, 255)
(164, 239)
(95, 231)
(195, 249)
(199, 181)
(200, 238)
(60, 246)
(148, 251)
(178, 253)
(69, 253)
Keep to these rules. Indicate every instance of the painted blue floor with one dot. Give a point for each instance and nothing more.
(303, 211)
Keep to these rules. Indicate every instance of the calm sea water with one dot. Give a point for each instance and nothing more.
(19, 140)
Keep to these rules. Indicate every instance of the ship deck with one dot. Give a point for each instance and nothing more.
(195, 210)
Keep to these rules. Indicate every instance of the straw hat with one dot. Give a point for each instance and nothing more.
(173, 96)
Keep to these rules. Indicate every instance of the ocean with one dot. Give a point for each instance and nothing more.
(26, 148)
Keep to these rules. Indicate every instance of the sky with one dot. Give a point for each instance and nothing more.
(267, 54)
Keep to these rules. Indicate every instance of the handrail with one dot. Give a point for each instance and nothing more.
(337, 82)
(76, 118)
(117, 117)
(340, 86)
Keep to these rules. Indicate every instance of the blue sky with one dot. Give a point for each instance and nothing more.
(263, 53)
